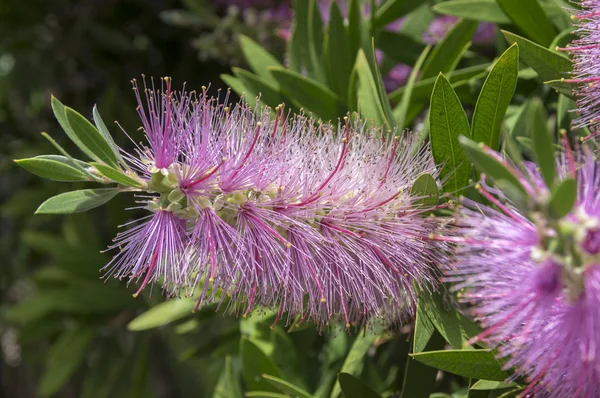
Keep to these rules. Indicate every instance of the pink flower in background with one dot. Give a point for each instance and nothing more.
(540, 310)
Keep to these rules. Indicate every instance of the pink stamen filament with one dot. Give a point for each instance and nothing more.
(148, 273)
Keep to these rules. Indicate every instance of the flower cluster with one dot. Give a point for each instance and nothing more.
(534, 284)
(586, 58)
(253, 207)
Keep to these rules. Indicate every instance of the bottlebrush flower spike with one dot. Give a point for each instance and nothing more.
(586, 60)
(535, 286)
(256, 208)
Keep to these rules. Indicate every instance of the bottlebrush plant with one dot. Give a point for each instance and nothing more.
(446, 233)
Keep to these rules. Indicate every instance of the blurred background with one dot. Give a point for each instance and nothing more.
(63, 331)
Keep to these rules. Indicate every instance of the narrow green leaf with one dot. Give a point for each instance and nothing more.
(549, 65)
(477, 10)
(491, 166)
(286, 387)
(424, 328)
(369, 103)
(446, 54)
(477, 364)
(52, 167)
(391, 11)
(89, 139)
(492, 385)
(228, 385)
(315, 41)
(117, 176)
(259, 59)
(422, 89)
(64, 358)
(563, 198)
(309, 94)
(106, 134)
(425, 190)
(257, 86)
(235, 84)
(163, 314)
(563, 87)
(419, 379)
(354, 360)
(402, 108)
(448, 121)
(542, 143)
(455, 328)
(77, 201)
(339, 55)
(354, 388)
(400, 47)
(494, 99)
(530, 17)
(255, 364)
(265, 394)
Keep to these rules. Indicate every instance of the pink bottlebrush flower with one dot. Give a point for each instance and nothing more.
(586, 58)
(540, 308)
(263, 209)
(151, 251)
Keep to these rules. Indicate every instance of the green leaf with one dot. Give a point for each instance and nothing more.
(228, 385)
(393, 10)
(78, 164)
(64, 358)
(425, 190)
(77, 201)
(494, 99)
(87, 299)
(492, 385)
(402, 109)
(477, 364)
(563, 198)
(419, 379)
(84, 134)
(309, 94)
(542, 143)
(447, 53)
(563, 87)
(315, 41)
(52, 167)
(530, 17)
(424, 328)
(448, 121)
(491, 166)
(117, 176)
(400, 47)
(265, 394)
(235, 84)
(477, 10)
(455, 328)
(259, 59)
(255, 364)
(354, 388)
(549, 65)
(354, 360)
(90, 138)
(162, 314)
(422, 89)
(256, 86)
(286, 387)
(106, 134)
(339, 55)
(369, 103)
